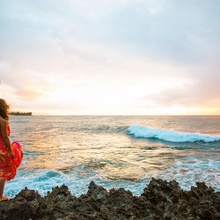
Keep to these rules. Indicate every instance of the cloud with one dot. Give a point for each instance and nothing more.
(200, 91)
(157, 52)
(156, 28)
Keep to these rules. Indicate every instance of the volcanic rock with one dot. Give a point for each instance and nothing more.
(160, 200)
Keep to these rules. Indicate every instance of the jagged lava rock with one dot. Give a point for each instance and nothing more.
(160, 200)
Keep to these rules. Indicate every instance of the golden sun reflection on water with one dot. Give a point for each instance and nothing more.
(129, 160)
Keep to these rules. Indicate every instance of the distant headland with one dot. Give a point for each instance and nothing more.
(20, 113)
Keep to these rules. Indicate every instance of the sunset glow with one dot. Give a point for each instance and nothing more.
(110, 57)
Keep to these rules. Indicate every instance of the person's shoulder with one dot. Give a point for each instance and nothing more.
(3, 121)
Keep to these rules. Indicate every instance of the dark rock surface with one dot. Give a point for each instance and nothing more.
(160, 200)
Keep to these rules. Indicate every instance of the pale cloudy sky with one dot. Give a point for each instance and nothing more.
(110, 56)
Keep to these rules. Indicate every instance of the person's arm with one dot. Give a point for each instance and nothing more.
(6, 140)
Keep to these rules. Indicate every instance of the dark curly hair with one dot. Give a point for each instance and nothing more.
(4, 107)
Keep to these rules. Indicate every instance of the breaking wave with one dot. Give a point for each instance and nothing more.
(170, 135)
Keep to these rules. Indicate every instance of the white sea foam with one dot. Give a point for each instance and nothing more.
(169, 135)
(45, 181)
(191, 170)
(186, 172)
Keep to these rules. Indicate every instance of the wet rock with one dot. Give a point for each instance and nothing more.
(25, 204)
(160, 200)
(97, 192)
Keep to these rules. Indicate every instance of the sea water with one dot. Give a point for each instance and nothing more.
(115, 151)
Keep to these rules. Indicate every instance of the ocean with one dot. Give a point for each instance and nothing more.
(115, 151)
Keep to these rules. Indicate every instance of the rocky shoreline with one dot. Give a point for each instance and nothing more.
(160, 200)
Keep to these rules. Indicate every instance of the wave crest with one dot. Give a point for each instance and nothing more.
(170, 135)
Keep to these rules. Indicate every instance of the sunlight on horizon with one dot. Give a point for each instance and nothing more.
(110, 57)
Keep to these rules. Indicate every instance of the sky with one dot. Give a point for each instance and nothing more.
(110, 57)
